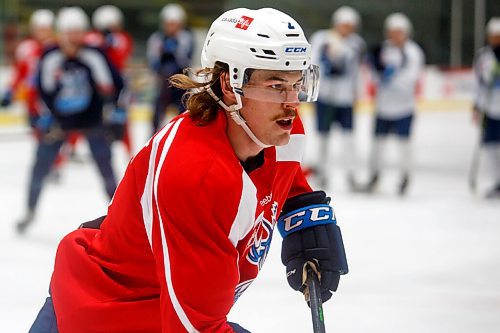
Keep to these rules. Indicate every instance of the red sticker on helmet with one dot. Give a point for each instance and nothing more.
(244, 22)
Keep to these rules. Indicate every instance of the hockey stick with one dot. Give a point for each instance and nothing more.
(313, 295)
(474, 167)
(476, 156)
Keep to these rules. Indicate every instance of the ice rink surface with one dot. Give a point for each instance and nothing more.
(427, 262)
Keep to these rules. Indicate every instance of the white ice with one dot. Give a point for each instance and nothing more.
(428, 262)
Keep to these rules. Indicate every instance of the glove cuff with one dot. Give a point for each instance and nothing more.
(306, 217)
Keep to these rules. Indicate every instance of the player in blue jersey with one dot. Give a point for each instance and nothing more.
(77, 85)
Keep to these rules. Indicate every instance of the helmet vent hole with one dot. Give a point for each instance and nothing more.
(269, 52)
(292, 35)
(253, 50)
(262, 35)
(304, 63)
(287, 63)
(235, 76)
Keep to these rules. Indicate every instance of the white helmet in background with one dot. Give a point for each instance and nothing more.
(72, 18)
(398, 21)
(107, 17)
(493, 26)
(173, 13)
(345, 15)
(258, 39)
(42, 18)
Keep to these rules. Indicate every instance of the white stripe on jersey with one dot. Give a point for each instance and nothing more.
(147, 195)
(49, 67)
(243, 222)
(150, 190)
(98, 67)
(293, 151)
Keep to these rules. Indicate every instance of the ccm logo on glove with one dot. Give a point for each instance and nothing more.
(305, 218)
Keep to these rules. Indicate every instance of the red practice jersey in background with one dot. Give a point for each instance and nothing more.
(117, 45)
(186, 233)
(28, 53)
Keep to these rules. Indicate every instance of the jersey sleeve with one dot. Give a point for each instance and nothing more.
(299, 183)
(153, 50)
(197, 263)
(19, 74)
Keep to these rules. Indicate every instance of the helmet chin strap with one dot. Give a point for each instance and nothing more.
(234, 112)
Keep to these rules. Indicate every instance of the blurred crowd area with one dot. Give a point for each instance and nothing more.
(432, 22)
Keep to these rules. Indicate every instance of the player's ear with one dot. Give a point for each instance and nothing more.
(227, 92)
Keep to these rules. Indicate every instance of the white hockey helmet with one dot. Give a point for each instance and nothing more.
(345, 15)
(173, 13)
(493, 26)
(260, 39)
(42, 18)
(72, 18)
(398, 21)
(106, 17)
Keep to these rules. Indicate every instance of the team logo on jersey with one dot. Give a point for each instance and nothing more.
(261, 239)
(244, 22)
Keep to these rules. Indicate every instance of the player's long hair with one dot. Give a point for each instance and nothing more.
(202, 107)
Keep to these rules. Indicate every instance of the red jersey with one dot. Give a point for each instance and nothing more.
(28, 53)
(186, 233)
(117, 45)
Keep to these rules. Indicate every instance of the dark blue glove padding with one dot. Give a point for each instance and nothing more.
(310, 233)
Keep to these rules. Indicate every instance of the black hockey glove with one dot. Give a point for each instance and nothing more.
(237, 328)
(311, 235)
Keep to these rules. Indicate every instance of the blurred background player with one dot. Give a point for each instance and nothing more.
(487, 100)
(338, 51)
(75, 83)
(397, 64)
(27, 55)
(169, 51)
(109, 35)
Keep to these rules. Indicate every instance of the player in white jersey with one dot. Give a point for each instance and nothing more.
(338, 51)
(487, 100)
(397, 65)
(169, 51)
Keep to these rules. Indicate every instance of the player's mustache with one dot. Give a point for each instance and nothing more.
(289, 112)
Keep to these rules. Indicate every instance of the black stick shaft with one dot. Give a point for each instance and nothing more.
(315, 303)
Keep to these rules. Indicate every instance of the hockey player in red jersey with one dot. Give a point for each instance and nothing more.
(109, 35)
(191, 222)
(27, 55)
